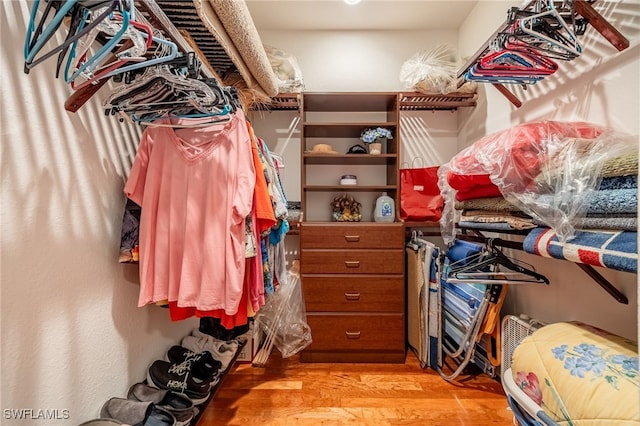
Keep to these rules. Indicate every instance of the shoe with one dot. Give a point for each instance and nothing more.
(213, 327)
(101, 422)
(203, 364)
(223, 351)
(179, 378)
(177, 404)
(136, 413)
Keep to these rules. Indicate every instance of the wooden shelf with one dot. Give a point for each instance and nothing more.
(409, 101)
(416, 101)
(351, 159)
(343, 130)
(350, 188)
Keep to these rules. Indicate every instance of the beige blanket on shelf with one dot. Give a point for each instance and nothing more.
(230, 23)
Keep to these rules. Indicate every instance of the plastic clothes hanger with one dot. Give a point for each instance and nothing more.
(520, 62)
(173, 53)
(491, 266)
(559, 38)
(34, 41)
(94, 61)
(76, 31)
(124, 57)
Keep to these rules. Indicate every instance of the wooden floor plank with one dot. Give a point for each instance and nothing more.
(288, 392)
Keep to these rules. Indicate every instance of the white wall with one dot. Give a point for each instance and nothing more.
(601, 86)
(72, 336)
(358, 61)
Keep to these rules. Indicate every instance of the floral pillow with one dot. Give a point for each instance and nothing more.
(579, 374)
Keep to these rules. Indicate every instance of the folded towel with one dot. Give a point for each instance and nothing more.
(619, 182)
(605, 201)
(493, 203)
(609, 249)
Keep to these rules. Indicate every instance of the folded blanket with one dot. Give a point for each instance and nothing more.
(492, 203)
(515, 220)
(605, 201)
(552, 174)
(609, 249)
(494, 226)
(622, 165)
(618, 223)
(619, 182)
(478, 191)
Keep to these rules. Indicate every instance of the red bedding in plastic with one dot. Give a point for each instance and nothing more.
(510, 158)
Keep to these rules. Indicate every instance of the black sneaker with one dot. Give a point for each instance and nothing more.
(203, 365)
(179, 378)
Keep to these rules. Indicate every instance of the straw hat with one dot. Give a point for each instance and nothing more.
(322, 148)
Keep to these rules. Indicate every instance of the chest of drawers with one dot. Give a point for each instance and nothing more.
(352, 277)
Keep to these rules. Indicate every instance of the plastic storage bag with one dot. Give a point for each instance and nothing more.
(287, 70)
(283, 319)
(431, 71)
(547, 169)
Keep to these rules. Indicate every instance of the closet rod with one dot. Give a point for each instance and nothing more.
(588, 269)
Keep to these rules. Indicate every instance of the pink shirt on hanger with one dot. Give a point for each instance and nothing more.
(195, 186)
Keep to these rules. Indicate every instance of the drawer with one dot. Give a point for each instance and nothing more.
(351, 236)
(352, 261)
(353, 293)
(345, 333)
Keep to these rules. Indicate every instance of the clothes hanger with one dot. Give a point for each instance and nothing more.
(556, 37)
(38, 35)
(76, 31)
(125, 57)
(157, 60)
(94, 61)
(519, 62)
(491, 266)
(178, 91)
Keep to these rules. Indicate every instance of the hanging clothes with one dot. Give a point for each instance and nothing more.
(195, 187)
(261, 219)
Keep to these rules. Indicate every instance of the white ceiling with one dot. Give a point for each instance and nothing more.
(367, 15)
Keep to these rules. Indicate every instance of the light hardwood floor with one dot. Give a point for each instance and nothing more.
(287, 392)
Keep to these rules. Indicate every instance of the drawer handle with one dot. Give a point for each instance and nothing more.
(352, 334)
(352, 296)
(352, 263)
(352, 238)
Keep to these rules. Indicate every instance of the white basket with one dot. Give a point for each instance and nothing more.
(514, 329)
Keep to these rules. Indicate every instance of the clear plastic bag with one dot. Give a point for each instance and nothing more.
(431, 71)
(283, 318)
(547, 169)
(287, 70)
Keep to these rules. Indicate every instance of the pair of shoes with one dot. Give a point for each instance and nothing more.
(179, 377)
(179, 405)
(203, 364)
(136, 413)
(223, 351)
